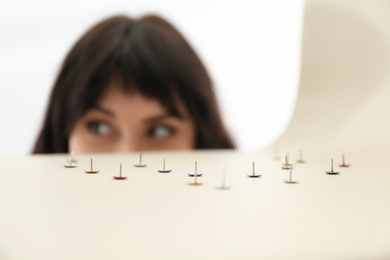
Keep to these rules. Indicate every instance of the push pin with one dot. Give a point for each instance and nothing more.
(195, 180)
(91, 171)
(290, 181)
(344, 165)
(223, 183)
(163, 170)
(140, 162)
(276, 157)
(254, 175)
(73, 159)
(69, 165)
(301, 158)
(286, 165)
(332, 172)
(120, 177)
(196, 171)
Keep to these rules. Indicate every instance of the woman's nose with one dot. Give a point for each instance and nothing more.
(130, 143)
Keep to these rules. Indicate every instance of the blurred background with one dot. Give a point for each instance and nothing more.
(252, 50)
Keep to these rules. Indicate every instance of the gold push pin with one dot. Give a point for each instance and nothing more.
(332, 172)
(223, 182)
(286, 165)
(140, 164)
(196, 171)
(164, 170)
(195, 177)
(301, 158)
(69, 165)
(254, 175)
(276, 157)
(92, 171)
(290, 181)
(120, 177)
(343, 164)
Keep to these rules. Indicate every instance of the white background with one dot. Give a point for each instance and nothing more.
(251, 49)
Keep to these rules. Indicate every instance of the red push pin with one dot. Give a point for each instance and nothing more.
(343, 164)
(286, 165)
(120, 177)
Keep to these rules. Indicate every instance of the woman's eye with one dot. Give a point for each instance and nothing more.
(160, 131)
(99, 128)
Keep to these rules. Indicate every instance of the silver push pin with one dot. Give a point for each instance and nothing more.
(223, 182)
(290, 181)
(301, 158)
(73, 159)
(196, 171)
(70, 159)
(343, 164)
(140, 162)
(92, 170)
(120, 177)
(163, 169)
(254, 175)
(331, 171)
(195, 177)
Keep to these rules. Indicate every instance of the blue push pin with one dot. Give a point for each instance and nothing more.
(163, 170)
(196, 171)
(254, 175)
(140, 162)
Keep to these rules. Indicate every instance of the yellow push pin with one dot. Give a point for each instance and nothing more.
(286, 165)
(91, 171)
(301, 158)
(195, 174)
(331, 171)
(343, 164)
(69, 165)
(223, 182)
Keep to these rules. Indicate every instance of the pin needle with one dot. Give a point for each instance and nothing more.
(120, 177)
(195, 177)
(301, 158)
(223, 182)
(196, 171)
(286, 165)
(140, 164)
(290, 181)
(254, 175)
(331, 171)
(91, 171)
(70, 162)
(344, 165)
(163, 170)
(276, 157)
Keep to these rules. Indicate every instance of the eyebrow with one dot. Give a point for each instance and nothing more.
(149, 120)
(104, 110)
(161, 117)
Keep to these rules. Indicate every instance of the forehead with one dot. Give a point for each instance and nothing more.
(135, 104)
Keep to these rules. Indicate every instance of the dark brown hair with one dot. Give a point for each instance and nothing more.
(147, 55)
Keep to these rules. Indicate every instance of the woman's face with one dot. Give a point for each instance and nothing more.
(124, 122)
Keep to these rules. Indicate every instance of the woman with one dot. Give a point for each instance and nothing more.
(131, 85)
